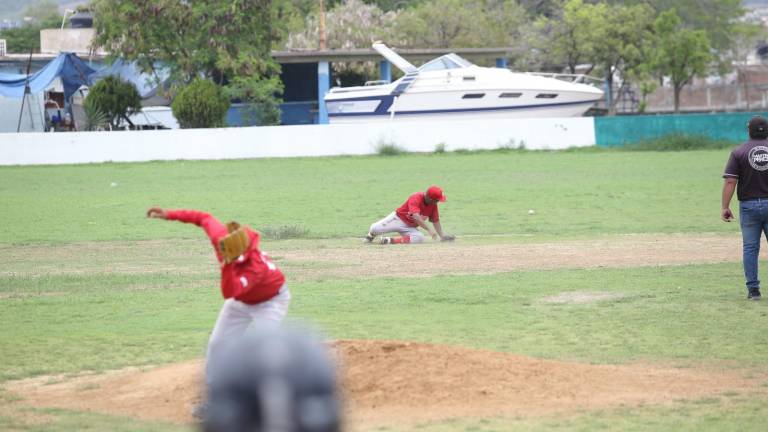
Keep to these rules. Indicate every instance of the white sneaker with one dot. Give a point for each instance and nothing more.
(386, 240)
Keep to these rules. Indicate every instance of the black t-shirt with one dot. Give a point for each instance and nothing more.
(749, 164)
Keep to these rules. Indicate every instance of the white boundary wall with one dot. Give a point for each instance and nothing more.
(291, 141)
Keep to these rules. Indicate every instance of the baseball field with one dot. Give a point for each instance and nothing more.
(617, 303)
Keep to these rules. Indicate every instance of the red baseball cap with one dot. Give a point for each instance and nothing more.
(435, 193)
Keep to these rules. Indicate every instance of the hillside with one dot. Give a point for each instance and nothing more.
(13, 9)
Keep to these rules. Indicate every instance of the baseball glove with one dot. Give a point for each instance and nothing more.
(235, 243)
(448, 237)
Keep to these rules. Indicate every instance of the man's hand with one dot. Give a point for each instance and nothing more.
(726, 214)
(433, 234)
(156, 212)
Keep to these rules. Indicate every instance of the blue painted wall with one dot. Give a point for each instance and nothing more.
(622, 130)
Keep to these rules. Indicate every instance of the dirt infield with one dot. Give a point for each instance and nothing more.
(457, 258)
(391, 383)
(352, 259)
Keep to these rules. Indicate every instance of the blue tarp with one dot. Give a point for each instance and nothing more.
(73, 72)
(146, 84)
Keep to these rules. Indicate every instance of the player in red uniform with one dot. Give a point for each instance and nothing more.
(406, 220)
(254, 288)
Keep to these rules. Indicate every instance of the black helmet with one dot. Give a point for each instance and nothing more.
(273, 381)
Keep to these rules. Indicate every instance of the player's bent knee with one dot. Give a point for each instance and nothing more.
(417, 238)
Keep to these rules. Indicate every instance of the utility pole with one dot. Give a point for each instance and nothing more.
(322, 25)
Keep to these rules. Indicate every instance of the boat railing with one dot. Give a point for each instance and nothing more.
(574, 78)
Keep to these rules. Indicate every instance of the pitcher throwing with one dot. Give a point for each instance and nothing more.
(254, 288)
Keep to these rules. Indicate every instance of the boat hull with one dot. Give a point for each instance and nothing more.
(389, 109)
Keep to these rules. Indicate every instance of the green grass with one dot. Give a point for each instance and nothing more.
(728, 413)
(574, 194)
(57, 420)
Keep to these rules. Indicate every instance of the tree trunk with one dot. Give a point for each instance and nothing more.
(678, 89)
(609, 93)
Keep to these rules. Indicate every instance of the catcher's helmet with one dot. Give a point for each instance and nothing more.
(273, 381)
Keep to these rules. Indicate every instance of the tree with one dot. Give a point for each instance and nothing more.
(457, 23)
(570, 35)
(619, 46)
(228, 42)
(201, 104)
(679, 53)
(719, 19)
(351, 24)
(543, 8)
(115, 98)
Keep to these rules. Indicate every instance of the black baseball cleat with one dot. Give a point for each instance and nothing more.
(754, 294)
(386, 240)
(369, 238)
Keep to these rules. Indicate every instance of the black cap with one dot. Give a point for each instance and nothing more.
(758, 125)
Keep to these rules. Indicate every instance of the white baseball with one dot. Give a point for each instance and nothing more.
(531, 211)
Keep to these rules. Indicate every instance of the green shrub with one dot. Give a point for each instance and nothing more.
(95, 118)
(440, 148)
(388, 148)
(678, 142)
(201, 104)
(114, 98)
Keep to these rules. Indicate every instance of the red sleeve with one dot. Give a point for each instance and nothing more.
(414, 206)
(213, 228)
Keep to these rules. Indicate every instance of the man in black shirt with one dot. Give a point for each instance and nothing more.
(747, 173)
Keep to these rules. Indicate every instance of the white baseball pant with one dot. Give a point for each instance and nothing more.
(393, 223)
(235, 317)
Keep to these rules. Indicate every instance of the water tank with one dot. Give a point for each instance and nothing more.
(81, 20)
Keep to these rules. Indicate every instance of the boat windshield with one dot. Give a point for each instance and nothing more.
(448, 61)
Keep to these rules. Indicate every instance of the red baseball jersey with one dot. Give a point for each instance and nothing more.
(252, 278)
(415, 205)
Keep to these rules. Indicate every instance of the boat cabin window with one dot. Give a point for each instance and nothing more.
(473, 96)
(510, 95)
(469, 78)
(448, 61)
(546, 95)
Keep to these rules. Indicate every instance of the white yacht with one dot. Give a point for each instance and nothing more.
(450, 87)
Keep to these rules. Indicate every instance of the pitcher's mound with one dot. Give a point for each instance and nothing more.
(390, 382)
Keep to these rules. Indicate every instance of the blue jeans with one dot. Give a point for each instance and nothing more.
(753, 217)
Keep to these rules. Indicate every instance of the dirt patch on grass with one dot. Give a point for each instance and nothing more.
(357, 260)
(392, 382)
(580, 297)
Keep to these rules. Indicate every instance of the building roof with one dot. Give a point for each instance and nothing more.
(334, 55)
